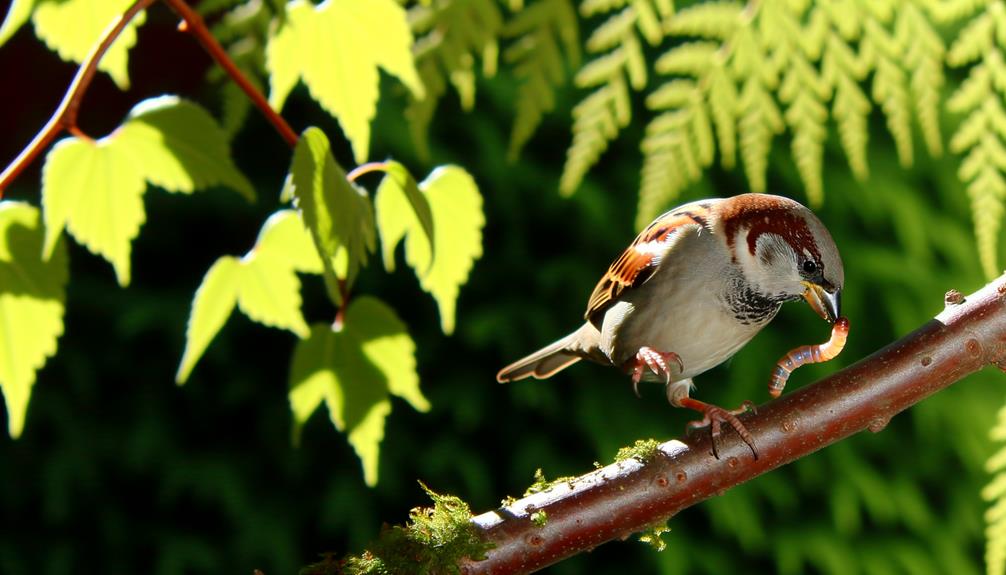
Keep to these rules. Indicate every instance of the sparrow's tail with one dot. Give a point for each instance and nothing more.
(546, 361)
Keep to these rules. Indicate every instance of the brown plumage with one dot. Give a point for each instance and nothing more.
(695, 286)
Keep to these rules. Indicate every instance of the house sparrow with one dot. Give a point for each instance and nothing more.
(695, 286)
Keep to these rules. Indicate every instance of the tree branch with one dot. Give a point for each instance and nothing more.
(629, 496)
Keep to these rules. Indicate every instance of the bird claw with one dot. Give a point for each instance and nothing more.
(656, 361)
(714, 417)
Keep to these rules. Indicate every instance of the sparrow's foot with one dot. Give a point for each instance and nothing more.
(714, 416)
(656, 361)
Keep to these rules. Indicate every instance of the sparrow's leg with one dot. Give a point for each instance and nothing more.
(712, 416)
(656, 361)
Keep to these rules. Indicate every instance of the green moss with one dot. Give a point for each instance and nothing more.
(642, 450)
(541, 484)
(539, 518)
(652, 536)
(433, 541)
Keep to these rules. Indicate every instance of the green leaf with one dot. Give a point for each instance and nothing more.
(72, 28)
(336, 49)
(399, 204)
(337, 212)
(263, 284)
(284, 234)
(95, 188)
(212, 305)
(180, 147)
(32, 301)
(457, 222)
(352, 371)
(17, 15)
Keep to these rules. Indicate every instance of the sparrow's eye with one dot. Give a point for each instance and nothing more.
(809, 267)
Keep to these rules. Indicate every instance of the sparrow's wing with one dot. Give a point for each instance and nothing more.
(638, 262)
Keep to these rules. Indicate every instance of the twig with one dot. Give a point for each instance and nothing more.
(65, 116)
(626, 497)
(194, 23)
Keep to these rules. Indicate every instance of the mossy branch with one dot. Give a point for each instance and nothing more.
(636, 493)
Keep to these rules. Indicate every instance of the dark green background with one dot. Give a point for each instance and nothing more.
(121, 471)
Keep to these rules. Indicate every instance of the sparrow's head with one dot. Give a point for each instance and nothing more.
(784, 251)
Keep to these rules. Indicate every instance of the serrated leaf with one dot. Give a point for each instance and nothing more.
(336, 49)
(285, 235)
(95, 190)
(32, 302)
(180, 147)
(213, 303)
(17, 14)
(337, 213)
(399, 205)
(263, 284)
(71, 28)
(457, 240)
(353, 370)
(95, 187)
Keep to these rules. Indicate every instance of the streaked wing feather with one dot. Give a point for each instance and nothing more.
(638, 262)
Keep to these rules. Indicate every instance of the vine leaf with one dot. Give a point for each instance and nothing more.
(399, 206)
(336, 211)
(336, 49)
(353, 370)
(32, 302)
(71, 28)
(17, 14)
(456, 207)
(262, 284)
(95, 188)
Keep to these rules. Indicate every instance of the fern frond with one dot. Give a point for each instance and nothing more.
(981, 135)
(612, 31)
(596, 121)
(451, 37)
(976, 39)
(924, 56)
(723, 106)
(539, 63)
(677, 147)
(590, 8)
(843, 70)
(599, 117)
(692, 58)
(714, 20)
(806, 116)
(995, 516)
(759, 122)
(890, 89)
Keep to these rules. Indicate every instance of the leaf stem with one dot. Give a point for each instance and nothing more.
(65, 116)
(194, 24)
(367, 168)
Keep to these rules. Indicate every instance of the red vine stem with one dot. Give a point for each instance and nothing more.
(195, 24)
(65, 116)
(615, 501)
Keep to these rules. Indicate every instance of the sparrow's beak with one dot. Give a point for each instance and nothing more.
(826, 301)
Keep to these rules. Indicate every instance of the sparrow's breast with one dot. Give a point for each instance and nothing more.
(695, 305)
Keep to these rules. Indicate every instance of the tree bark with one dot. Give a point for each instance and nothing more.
(629, 496)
